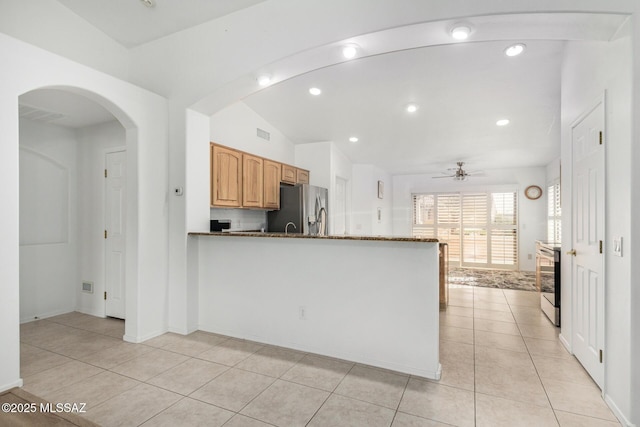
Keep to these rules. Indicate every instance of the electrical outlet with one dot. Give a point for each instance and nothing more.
(302, 312)
(617, 246)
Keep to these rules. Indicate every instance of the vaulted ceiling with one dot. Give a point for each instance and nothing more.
(461, 89)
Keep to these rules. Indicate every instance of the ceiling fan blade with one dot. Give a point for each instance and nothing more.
(446, 176)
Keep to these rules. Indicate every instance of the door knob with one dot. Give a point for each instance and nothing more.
(572, 252)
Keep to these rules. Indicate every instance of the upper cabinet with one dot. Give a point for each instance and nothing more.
(293, 175)
(226, 177)
(289, 174)
(242, 180)
(271, 184)
(302, 176)
(252, 181)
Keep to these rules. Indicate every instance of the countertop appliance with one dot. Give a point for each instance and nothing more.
(548, 279)
(303, 209)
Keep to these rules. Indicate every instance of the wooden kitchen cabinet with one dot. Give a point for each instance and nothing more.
(252, 181)
(289, 174)
(226, 177)
(271, 182)
(302, 176)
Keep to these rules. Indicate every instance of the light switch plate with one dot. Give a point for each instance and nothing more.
(617, 246)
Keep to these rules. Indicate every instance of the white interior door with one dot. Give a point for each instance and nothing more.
(115, 233)
(588, 237)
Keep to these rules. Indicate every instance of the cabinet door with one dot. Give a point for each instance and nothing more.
(288, 174)
(226, 177)
(252, 181)
(271, 184)
(302, 176)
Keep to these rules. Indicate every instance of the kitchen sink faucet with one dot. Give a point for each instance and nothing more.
(286, 227)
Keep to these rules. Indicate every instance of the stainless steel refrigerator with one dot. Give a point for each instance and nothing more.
(303, 207)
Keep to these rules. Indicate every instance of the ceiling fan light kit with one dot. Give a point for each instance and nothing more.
(460, 174)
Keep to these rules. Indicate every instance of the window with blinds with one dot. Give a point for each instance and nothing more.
(480, 228)
(554, 213)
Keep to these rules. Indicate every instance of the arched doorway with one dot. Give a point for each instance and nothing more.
(67, 263)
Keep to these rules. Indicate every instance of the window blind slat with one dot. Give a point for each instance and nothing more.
(480, 228)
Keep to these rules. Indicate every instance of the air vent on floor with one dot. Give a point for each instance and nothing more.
(87, 287)
(36, 114)
(263, 134)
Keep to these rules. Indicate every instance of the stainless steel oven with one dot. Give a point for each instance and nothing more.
(548, 279)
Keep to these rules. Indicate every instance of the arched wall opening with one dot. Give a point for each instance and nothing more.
(66, 262)
(144, 117)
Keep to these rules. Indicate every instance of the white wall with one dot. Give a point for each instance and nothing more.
(553, 171)
(532, 214)
(366, 202)
(589, 69)
(326, 163)
(316, 157)
(93, 144)
(356, 306)
(52, 26)
(144, 115)
(48, 220)
(236, 125)
(52, 267)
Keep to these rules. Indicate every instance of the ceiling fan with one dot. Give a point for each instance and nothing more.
(459, 174)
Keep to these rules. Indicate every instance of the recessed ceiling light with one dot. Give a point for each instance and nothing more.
(412, 108)
(350, 51)
(353, 139)
(264, 80)
(515, 49)
(460, 32)
(315, 91)
(148, 3)
(502, 122)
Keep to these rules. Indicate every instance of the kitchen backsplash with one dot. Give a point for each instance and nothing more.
(241, 219)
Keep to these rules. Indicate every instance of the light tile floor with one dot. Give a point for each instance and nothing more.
(502, 366)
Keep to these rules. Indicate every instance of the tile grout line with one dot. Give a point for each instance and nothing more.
(534, 366)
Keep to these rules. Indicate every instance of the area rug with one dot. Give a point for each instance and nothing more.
(22, 409)
(499, 279)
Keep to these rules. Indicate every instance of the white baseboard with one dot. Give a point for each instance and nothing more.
(565, 343)
(138, 339)
(617, 412)
(46, 315)
(91, 313)
(9, 386)
(183, 331)
(434, 374)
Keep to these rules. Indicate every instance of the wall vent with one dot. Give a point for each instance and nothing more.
(38, 115)
(263, 134)
(87, 287)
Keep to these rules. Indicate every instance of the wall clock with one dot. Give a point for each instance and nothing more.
(533, 192)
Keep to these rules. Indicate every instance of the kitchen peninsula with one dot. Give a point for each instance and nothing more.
(372, 300)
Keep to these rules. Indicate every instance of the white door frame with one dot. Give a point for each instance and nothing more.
(106, 152)
(593, 106)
